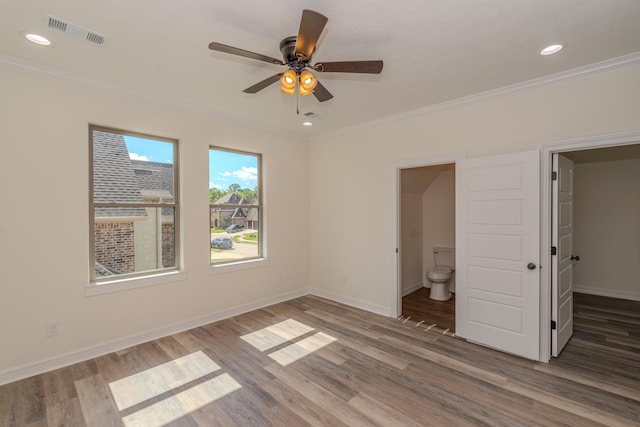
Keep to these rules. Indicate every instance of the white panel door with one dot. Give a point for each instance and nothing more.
(497, 252)
(562, 262)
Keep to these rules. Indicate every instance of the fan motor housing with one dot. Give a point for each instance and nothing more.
(288, 49)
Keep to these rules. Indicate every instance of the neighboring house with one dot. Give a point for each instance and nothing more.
(155, 181)
(223, 216)
(252, 219)
(148, 237)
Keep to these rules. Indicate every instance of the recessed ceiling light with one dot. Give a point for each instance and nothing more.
(307, 124)
(38, 39)
(551, 49)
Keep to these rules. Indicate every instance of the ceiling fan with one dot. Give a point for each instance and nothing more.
(296, 54)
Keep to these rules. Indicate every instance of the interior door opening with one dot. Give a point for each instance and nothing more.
(607, 211)
(603, 216)
(427, 231)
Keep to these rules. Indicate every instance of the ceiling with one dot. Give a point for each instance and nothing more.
(433, 50)
(609, 154)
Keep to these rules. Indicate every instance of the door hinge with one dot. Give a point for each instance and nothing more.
(553, 325)
(397, 250)
(554, 176)
(554, 250)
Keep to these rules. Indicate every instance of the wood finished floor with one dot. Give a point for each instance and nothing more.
(347, 368)
(417, 306)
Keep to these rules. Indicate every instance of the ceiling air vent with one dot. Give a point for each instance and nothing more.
(75, 31)
(95, 38)
(313, 115)
(57, 25)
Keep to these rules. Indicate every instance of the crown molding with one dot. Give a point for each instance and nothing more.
(573, 74)
(95, 84)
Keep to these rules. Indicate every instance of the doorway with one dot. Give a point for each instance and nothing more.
(426, 213)
(607, 208)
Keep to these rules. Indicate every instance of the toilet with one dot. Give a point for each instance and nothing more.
(441, 277)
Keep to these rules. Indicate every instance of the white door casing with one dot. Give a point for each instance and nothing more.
(562, 263)
(497, 252)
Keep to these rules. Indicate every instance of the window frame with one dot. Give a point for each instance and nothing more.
(260, 258)
(133, 279)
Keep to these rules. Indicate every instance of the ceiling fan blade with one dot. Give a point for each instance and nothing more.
(311, 26)
(241, 52)
(368, 67)
(321, 93)
(263, 84)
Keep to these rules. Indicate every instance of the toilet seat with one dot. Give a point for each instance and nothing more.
(439, 273)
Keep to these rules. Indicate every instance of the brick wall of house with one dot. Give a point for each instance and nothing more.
(114, 245)
(168, 246)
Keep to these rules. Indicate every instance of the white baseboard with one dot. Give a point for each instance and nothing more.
(377, 309)
(634, 296)
(412, 288)
(60, 361)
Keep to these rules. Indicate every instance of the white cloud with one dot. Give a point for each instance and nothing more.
(136, 156)
(214, 185)
(247, 174)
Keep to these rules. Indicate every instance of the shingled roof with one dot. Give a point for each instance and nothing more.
(154, 179)
(117, 178)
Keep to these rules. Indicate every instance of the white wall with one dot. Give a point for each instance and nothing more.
(44, 227)
(362, 271)
(439, 224)
(411, 242)
(44, 215)
(607, 228)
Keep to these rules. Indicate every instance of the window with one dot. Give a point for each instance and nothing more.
(235, 206)
(133, 201)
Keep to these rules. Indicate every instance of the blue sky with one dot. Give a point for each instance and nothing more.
(225, 168)
(149, 150)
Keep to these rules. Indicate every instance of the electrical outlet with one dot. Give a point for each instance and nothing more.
(52, 330)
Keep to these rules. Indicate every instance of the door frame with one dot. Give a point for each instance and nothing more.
(546, 151)
(396, 291)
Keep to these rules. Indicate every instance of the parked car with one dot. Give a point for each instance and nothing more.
(234, 228)
(221, 243)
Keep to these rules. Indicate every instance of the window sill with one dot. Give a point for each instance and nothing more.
(237, 266)
(101, 288)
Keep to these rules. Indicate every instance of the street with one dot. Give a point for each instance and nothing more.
(241, 248)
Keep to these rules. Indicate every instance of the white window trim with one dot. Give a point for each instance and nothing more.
(103, 286)
(246, 263)
(221, 268)
(126, 284)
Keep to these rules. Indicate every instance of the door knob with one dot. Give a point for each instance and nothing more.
(531, 266)
(576, 258)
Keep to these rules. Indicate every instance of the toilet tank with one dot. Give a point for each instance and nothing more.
(444, 257)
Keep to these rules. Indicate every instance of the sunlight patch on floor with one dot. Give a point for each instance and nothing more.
(273, 336)
(302, 348)
(147, 386)
(288, 331)
(153, 382)
(174, 407)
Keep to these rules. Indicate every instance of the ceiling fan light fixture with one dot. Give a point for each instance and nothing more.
(288, 82)
(308, 82)
(303, 91)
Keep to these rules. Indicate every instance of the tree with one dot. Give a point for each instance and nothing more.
(215, 194)
(248, 195)
(234, 188)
